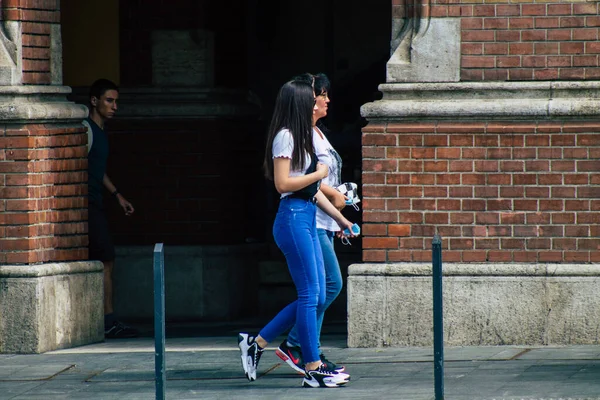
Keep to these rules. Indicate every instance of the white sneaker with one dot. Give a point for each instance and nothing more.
(250, 355)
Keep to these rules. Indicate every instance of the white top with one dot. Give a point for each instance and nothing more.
(328, 156)
(90, 135)
(283, 147)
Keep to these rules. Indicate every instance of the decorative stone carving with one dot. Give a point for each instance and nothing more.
(56, 60)
(424, 49)
(10, 53)
(412, 26)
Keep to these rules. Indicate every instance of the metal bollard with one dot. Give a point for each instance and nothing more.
(159, 321)
(438, 318)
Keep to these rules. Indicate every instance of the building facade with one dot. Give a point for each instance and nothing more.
(487, 133)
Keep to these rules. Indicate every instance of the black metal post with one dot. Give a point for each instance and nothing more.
(438, 318)
(159, 321)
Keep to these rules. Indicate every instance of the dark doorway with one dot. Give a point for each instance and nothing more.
(189, 154)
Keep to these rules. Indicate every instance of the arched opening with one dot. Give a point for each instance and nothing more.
(198, 79)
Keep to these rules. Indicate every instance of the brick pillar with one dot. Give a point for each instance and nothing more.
(502, 163)
(51, 297)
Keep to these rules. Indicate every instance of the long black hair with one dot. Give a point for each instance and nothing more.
(320, 82)
(322, 85)
(293, 111)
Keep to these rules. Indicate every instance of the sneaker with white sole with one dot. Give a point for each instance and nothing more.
(292, 355)
(321, 377)
(330, 365)
(251, 354)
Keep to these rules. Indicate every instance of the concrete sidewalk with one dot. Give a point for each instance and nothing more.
(209, 368)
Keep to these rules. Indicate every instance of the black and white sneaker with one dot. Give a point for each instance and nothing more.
(119, 330)
(330, 365)
(251, 354)
(321, 377)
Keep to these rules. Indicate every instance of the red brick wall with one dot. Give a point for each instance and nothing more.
(43, 188)
(495, 191)
(36, 16)
(523, 40)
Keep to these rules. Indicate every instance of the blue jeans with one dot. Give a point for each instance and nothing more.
(295, 232)
(333, 281)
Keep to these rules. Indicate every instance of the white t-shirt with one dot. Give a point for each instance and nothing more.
(328, 156)
(283, 146)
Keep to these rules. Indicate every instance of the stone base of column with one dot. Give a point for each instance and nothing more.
(484, 304)
(209, 283)
(50, 306)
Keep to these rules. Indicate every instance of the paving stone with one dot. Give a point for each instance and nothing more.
(209, 368)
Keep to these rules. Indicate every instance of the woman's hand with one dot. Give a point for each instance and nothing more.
(345, 224)
(322, 169)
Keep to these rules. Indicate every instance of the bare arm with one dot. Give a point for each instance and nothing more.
(125, 205)
(325, 205)
(336, 198)
(285, 183)
(108, 184)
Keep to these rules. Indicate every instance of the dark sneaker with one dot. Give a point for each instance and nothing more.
(322, 377)
(251, 354)
(292, 355)
(119, 330)
(330, 365)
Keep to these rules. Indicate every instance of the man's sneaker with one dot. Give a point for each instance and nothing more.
(331, 366)
(321, 377)
(292, 355)
(118, 330)
(251, 354)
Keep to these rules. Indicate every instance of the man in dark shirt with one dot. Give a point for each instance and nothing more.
(103, 105)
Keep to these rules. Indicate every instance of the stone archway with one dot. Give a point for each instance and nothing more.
(50, 298)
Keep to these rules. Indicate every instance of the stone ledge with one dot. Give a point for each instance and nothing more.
(34, 90)
(39, 104)
(180, 102)
(486, 100)
(452, 269)
(36, 271)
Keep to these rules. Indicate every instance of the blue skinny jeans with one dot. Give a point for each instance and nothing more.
(333, 282)
(295, 232)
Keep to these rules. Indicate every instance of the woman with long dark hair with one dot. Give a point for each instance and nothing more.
(291, 163)
(290, 349)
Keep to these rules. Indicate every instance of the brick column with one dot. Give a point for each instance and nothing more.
(51, 297)
(503, 163)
